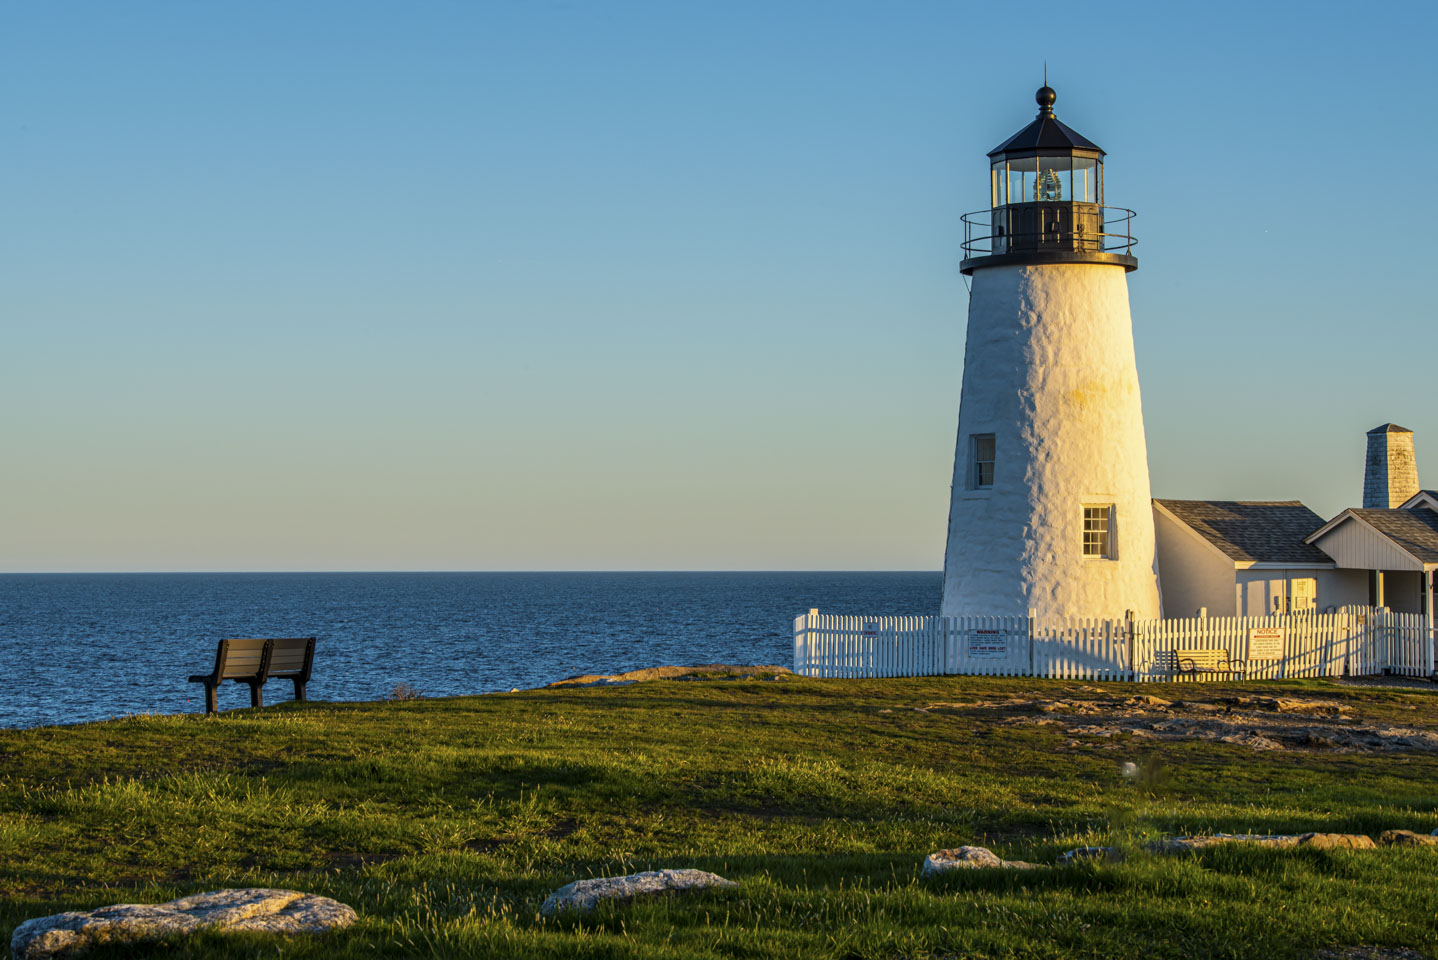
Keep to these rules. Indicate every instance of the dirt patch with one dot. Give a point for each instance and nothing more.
(1256, 722)
(1395, 682)
(708, 671)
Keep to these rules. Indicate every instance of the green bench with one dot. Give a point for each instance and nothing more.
(252, 661)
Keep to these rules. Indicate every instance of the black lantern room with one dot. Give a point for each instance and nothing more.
(1047, 194)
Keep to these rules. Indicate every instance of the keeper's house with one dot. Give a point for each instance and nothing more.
(1250, 559)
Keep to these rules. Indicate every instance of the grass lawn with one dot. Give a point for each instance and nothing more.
(446, 822)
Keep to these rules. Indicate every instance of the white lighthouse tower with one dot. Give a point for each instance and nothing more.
(1050, 508)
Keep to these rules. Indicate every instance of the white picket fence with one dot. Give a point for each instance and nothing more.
(1355, 641)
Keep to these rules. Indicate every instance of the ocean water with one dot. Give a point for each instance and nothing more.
(78, 647)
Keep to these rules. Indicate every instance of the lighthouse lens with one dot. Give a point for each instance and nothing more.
(1054, 179)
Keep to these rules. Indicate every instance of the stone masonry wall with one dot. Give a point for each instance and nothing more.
(1390, 474)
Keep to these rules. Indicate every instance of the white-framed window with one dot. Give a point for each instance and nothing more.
(1098, 531)
(981, 454)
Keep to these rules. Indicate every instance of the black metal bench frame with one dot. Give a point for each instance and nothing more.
(235, 660)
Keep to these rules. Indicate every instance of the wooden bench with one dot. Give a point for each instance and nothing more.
(252, 661)
(1198, 661)
(291, 659)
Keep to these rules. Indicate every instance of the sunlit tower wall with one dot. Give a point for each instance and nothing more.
(1390, 469)
(1050, 510)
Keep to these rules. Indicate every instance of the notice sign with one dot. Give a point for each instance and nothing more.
(1265, 643)
(986, 644)
(870, 630)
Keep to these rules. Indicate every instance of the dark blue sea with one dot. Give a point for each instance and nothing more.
(76, 647)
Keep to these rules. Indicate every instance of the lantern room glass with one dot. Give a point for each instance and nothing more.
(1023, 175)
(1046, 179)
(1085, 176)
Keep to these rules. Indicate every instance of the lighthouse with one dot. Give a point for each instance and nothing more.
(1050, 508)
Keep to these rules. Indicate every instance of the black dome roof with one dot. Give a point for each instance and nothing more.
(1047, 132)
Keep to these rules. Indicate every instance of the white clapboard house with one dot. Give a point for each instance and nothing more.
(1254, 558)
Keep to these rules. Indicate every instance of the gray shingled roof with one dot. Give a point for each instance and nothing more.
(1410, 503)
(1260, 531)
(1415, 530)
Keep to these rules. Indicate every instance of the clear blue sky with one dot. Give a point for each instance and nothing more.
(660, 286)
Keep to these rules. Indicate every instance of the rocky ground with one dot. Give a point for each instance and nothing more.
(1256, 722)
(707, 671)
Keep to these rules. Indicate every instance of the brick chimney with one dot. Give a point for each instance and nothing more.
(1390, 473)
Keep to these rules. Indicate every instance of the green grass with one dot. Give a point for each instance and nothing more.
(446, 822)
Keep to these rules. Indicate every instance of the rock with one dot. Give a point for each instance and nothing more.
(1097, 731)
(1317, 708)
(1089, 854)
(969, 858)
(963, 858)
(256, 910)
(598, 682)
(1336, 841)
(707, 671)
(1319, 841)
(1191, 844)
(587, 894)
(1253, 740)
(1407, 838)
(1147, 700)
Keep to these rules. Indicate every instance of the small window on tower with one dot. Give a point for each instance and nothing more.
(983, 472)
(1098, 532)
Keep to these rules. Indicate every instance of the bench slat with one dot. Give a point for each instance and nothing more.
(243, 657)
(1196, 661)
(289, 656)
(253, 660)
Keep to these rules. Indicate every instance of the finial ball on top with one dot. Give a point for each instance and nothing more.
(1045, 97)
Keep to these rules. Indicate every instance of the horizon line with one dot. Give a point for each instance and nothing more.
(201, 573)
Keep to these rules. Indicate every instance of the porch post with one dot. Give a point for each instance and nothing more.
(1429, 637)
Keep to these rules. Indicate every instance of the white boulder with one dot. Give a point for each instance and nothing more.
(253, 909)
(588, 894)
(969, 858)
